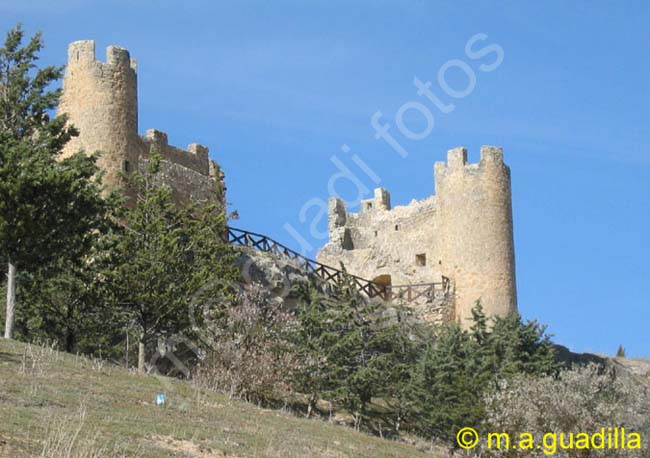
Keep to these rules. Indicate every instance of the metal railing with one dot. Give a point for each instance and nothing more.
(337, 277)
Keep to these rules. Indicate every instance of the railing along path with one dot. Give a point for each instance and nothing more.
(333, 276)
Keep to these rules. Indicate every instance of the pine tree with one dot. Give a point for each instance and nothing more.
(336, 341)
(166, 257)
(314, 318)
(345, 342)
(64, 302)
(444, 388)
(214, 260)
(150, 271)
(397, 346)
(48, 206)
(519, 347)
(457, 369)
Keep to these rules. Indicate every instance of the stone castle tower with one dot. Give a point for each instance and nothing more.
(463, 232)
(101, 100)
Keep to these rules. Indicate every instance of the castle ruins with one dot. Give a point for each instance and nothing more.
(101, 100)
(462, 232)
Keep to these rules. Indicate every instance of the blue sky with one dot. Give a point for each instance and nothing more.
(276, 88)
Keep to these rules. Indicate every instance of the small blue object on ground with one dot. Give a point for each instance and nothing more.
(160, 399)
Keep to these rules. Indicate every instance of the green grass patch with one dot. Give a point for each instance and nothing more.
(54, 404)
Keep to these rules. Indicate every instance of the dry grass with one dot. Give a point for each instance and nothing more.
(66, 438)
(58, 405)
(187, 448)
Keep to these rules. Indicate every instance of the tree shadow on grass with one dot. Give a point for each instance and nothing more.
(10, 357)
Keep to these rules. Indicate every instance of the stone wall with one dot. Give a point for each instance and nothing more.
(380, 241)
(463, 232)
(475, 232)
(101, 101)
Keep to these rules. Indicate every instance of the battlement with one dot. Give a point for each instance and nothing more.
(101, 100)
(194, 157)
(491, 156)
(157, 138)
(457, 159)
(491, 162)
(380, 201)
(462, 232)
(198, 150)
(82, 52)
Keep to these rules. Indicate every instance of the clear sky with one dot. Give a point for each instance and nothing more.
(275, 89)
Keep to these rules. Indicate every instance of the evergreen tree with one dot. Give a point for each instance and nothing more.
(165, 257)
(150, 270)
(337, 334)
(47, 206)
(346, 345)
(446, 392)
(519, 347)
(354, 350)
(216, 275)
(397, 346)
(314, 319)
(460, 366)
(64, 302)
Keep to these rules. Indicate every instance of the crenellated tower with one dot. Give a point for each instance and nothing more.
(101, 100)
(463, 233)
(475, 233)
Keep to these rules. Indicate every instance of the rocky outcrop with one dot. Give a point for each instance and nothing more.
(626, 367)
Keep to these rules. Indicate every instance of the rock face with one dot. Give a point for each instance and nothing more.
(282, 277)
(637, 366)
(278, 275)
(627, 367)
(464, 232)
(101, 100)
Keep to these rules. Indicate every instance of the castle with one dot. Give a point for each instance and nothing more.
(101, 100)
(462, 233)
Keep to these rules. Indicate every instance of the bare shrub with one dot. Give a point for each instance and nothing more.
(252, 355)
(67, 438)
(582, 400)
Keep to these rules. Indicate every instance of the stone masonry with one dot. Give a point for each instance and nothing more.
(463, 232)
(101, 100)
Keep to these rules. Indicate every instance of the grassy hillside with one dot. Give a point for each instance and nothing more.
(52, 402)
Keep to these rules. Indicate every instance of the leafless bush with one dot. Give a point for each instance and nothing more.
(66, 438)
(583, 400)
(252, 355)
(37, 356)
